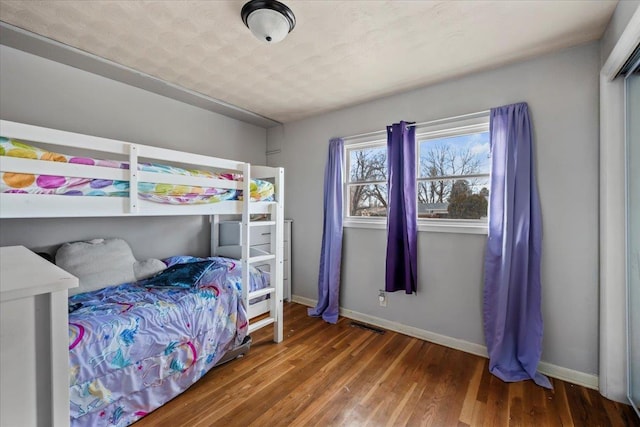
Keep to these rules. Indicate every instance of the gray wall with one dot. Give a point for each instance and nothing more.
(42, 92)
(562, 92)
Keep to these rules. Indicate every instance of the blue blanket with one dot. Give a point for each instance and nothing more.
(135, 346)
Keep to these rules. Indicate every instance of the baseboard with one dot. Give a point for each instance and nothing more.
(569, 375)
(555, 371)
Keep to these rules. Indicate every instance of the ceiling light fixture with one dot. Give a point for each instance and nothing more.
(268, 20)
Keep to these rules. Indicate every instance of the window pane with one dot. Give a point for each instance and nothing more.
(368, 200)
(454, 199)
(457, 155)
(368, 164)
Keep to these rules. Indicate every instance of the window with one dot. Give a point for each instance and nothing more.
(453, 181)
(452, 184)
(367, 180)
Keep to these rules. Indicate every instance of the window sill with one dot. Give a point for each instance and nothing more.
(459, 227)
(365, 223)
(454, 227)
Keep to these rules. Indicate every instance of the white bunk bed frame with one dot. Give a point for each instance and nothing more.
(59, 206)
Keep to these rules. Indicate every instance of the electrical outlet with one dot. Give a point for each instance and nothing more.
(382, 298)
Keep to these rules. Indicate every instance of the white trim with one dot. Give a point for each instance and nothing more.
(59, 326)
(555, 371)
(569, 375)
(477, 125)
(430, 226)
(452, 177)
(371, 142)
(612, 339)
(613, 382)
(464, 118)
(453, 227)
(624, 47)
(376, 223)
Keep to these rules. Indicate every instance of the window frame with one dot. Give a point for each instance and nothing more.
(438, 129)
(349, 220)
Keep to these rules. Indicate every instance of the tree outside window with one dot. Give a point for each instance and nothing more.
(368, 181)
(453, 177)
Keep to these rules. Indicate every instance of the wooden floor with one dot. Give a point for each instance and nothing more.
(340, 375)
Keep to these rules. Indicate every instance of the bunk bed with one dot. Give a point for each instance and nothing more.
(40, 182)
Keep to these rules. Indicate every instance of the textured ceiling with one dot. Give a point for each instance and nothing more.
(340, 53)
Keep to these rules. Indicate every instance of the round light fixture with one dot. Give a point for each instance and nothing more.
(268, 20)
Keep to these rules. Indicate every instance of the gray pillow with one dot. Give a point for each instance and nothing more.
(147, 268)
(97, 263)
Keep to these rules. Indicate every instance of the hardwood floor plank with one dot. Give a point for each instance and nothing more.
(483, 390)
(616, 415)
(466, 414)
(306, 392)
(428, 375)
(516, 405)
(496, 412)
(598, 414)
(479, 409)
(419, 372)
(396, 393)
(559, 405)
(453, 389)
(381, 380)
(578, 405)
(338, 375)
(342, 403)
(316, 365)
(401, 407)
(627, 414)
(535, 404)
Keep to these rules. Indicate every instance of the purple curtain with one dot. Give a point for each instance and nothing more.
(402, 227)
(512, 295)
(331, 252)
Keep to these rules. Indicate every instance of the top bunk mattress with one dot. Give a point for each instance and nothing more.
(25, 183)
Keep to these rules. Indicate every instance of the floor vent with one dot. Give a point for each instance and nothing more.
(367, 327)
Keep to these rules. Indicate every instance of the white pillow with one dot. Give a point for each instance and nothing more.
(147, 268)
(97, 263)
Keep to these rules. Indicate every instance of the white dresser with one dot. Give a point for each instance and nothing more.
(34, 340)
(230, 233)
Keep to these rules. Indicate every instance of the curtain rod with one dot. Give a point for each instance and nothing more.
(431, 122)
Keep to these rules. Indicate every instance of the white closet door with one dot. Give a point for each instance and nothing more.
(633, 233)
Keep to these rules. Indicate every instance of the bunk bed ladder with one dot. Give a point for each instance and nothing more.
(275, 258)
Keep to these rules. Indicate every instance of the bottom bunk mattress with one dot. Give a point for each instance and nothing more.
(135, 346)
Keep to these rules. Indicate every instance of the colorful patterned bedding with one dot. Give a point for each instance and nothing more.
(135, 346)
(160, 193)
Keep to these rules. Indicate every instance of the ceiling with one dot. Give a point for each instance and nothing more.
(340, 53)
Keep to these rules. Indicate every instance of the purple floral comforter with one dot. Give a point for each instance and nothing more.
(135, 346)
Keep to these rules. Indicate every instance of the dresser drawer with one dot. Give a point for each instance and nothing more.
(260, 235)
